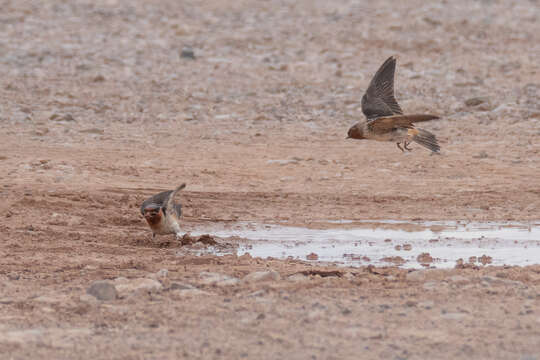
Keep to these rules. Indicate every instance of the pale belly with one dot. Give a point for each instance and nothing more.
(398, 135)
(168, 225)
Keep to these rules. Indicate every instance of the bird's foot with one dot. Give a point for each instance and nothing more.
(405, 145)
(400, 148)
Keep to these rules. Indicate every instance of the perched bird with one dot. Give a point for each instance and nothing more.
(162, 213)
(385, 119)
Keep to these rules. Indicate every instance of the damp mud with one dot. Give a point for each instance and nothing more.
(106, 103)
(439, 244)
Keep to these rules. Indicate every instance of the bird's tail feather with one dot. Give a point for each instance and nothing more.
(427, 140)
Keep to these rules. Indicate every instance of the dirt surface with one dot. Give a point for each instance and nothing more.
(102, 105)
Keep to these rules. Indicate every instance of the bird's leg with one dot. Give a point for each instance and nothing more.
(153, 235)
(405, 144)
(400, 148)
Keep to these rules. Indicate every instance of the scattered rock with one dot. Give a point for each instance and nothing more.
(183, 293)
(259, 276)
(89, 299)
(211, 278)
(417, 275)
(298, 277)
(58, 117)
(93, 131)
(42, 131)
(491, 280)
(510, 66)
(181, 286)
(312, 256)
(322, 273)
(102, 290)
(481, 155)
(430, 285)
(484, 259)
(397, 260)
(187, 53)
(453, 316)
(49, 299)
(257, 293)
(282, 162)
(458, 279)
(475, 101)
(479, 103)
(407, 247)
(162, 273)
(428, 304)
(424, 258)
(6, 301)
(13, 276)
(121, 280)
(139, 285)
(99, 78)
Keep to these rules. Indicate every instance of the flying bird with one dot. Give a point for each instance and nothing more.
(162, 213)
(384, 118)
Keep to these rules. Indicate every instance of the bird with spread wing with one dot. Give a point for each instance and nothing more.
(384, 118)
(162, 213)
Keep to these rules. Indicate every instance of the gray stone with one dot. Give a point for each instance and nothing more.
(181, 286)
(88, 299)
(13, 276)
(453, 316)
(121, 280)
(137, 285)
(189, 293)
(162, 273)
(102, 290)
(259, 276)
(428, 304)
(187, 53)
(6, 301)
(458, 279)
(417, 275)
(211, 278)
(492, 280)
(431, 285)
(298, 278)
(282, 162)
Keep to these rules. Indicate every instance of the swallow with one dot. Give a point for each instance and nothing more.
(162, 213)
(384, 118)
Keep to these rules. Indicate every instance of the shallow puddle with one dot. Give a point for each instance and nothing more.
(407, 244)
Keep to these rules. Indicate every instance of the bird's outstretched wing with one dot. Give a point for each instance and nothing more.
(385, 124)
(155, 202)
(170, 201)
(379, 98)
(162, 200)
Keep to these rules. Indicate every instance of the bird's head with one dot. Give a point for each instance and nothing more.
(152, 214)
(355, 132)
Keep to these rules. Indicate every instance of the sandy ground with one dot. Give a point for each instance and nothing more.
(99, 109)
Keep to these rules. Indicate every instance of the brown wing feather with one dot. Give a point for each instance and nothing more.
(379, 98)
(163, 200)
(384, 124)
(156, 201)
(170, 200)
